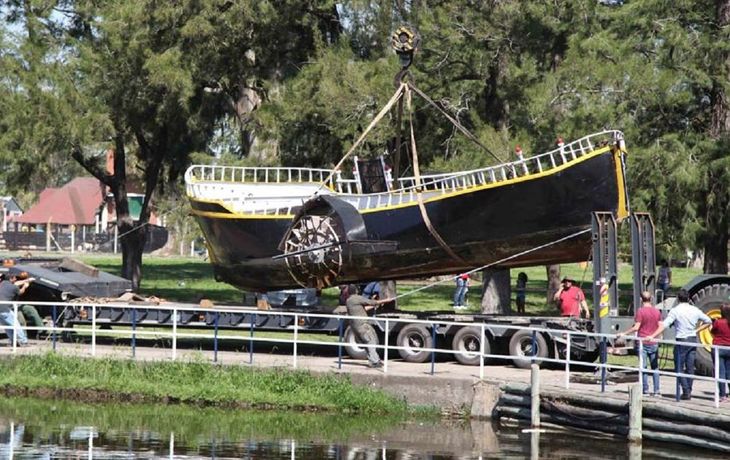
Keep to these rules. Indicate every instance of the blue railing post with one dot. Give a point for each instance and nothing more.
(134, 332)
(250, 340)
(340, 328)
(677, 370)
(215, 338)
(603, 364)
(54, 315)
(534, 345)
(433, 353)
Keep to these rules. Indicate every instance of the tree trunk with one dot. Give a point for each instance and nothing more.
(553, 282)
(496, 293)
(388, 291)
(716, 200)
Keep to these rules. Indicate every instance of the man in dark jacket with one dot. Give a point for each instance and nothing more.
(10, 289)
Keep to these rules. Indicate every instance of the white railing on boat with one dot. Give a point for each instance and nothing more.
(221, 182)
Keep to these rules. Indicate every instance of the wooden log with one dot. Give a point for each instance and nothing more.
(670, 411)
(514, 400)
(689, 429)
(581, 399)
(584, 413)
(523, 413)
(687, 440)
(635, 413)
(78, 266)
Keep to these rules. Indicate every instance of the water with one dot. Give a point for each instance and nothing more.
(42, 429)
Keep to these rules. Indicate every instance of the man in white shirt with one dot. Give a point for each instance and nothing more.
(685, 318)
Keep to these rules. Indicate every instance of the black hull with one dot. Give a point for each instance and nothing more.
(481, 226)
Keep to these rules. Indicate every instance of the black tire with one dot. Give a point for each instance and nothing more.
(352, 346)
(708, 299)
(520, 348)
(467, 343)
(412, 338)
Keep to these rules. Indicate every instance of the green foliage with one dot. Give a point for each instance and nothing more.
(198, 382)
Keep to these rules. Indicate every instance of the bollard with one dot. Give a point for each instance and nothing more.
(677, 370)
(535, 395)
(635, 413)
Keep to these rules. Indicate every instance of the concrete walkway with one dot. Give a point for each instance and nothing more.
(450, 385)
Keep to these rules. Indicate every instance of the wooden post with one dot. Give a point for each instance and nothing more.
(535, 395)
(635, 413)
(73, 238)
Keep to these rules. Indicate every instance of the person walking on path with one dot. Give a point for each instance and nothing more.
(571, 300)
(10, 289)
(462, 286)
(647, 321)
(721, 336)
(358, 305)
(685, 318)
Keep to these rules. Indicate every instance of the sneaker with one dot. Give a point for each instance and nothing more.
(377, 365)
(723, 399)
(686, 396)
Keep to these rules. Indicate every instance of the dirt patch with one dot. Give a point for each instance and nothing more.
(90, 395)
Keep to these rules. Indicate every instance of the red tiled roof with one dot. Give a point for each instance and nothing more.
(76, 203)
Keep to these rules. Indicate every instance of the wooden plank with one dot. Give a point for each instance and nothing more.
(78, 266)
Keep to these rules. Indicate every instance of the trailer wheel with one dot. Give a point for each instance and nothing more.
(353, 348)
(709, 299)
(520, 348)
(411, 340)
(467, 344)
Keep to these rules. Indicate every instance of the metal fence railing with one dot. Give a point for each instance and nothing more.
(178, 330)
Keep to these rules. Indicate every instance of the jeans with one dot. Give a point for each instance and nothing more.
(7, 318)
(724, 358)
(651, 359)
(684, 362)
(460, 293)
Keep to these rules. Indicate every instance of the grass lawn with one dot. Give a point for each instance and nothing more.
(186, 279)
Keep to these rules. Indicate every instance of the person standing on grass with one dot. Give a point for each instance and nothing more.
(664, 277)
(462, 286)
(521, 289)
(721, 336)
(10, 289)
(571, 299)
(685, 317)
(358, 305)
(647, 321)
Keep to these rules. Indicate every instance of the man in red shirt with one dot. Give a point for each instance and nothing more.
(571, 299)
(646, 321)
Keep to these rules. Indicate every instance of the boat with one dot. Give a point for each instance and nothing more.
(272, 228)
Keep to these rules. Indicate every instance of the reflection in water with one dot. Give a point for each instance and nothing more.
(36, 429)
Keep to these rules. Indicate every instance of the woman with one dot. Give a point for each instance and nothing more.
(721, 336)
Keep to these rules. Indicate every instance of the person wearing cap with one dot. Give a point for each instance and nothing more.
(10, 289)
(571, 299)
(358, 306)
(521, 159)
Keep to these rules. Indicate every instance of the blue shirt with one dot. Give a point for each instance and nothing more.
(685, 318)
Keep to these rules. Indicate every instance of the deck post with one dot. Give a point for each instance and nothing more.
(635, 413)
(535, 395)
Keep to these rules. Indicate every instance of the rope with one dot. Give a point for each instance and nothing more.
(454, 121)
(419, 194)
(514, 256)
(396, 96)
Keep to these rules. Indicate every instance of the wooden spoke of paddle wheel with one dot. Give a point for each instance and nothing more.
(313, 251)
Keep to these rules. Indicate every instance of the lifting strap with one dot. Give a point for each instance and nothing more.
(397, 95)
(419, 195)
